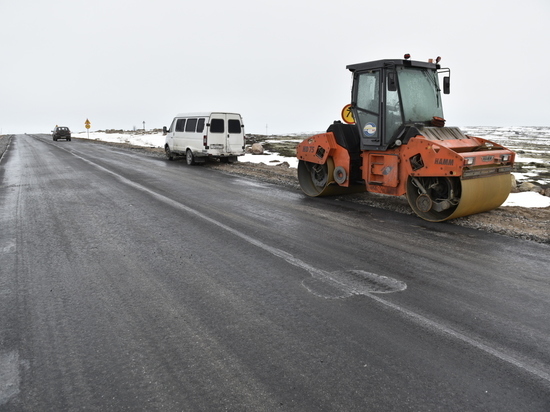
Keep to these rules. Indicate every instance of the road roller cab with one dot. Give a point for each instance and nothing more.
(395, 142)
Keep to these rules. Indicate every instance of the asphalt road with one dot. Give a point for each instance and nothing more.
(133, 283)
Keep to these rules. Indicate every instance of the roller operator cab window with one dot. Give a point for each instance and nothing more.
(393, 113)
(368, 101)
(420, 94)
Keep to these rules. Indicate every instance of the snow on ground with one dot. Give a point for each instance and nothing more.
(157, 140)
(527, 199)
(270, 159)
(523, 199)
(138, 139)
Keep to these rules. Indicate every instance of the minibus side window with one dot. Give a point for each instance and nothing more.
(180, 125)
(200, 125)
(234, 126)
(217, 126)
(191, 125)
(172, 126)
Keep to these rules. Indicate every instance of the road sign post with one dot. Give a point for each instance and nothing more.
(87, 125)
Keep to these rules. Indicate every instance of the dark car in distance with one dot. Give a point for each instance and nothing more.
(61, 132)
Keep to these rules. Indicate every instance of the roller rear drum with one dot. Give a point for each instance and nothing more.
(321, 180)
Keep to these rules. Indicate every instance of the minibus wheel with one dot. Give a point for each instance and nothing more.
(168, 152)
(189, 157)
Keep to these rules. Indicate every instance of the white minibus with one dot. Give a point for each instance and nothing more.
(199, 136)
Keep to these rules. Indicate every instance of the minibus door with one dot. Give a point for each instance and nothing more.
(235, 134)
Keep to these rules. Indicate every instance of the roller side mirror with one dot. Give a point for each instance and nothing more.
(446, 85)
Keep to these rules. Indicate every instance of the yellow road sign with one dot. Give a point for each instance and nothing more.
(87, 124)
(347, 115)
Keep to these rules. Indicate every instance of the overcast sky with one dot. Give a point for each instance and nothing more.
(281, 64)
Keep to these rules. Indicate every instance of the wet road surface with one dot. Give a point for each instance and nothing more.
(133, 283)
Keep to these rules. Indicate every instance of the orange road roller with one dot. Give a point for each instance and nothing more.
(394, 141)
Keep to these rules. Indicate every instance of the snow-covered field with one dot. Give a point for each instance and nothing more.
(157, 140)
(531, 144)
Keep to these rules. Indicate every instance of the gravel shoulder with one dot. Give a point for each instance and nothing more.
(525, 223)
